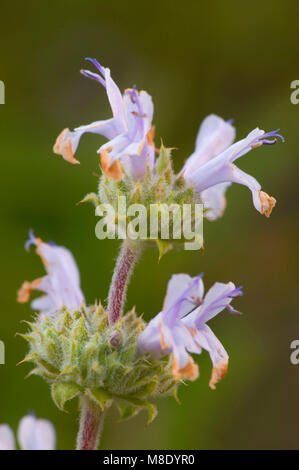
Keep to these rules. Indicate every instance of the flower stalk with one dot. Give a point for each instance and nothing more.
(91, 424)
(127, 258)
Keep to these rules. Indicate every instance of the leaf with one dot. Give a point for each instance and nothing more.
(63, 392)
(101, 397)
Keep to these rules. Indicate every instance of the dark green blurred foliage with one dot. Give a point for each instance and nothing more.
(233, 58)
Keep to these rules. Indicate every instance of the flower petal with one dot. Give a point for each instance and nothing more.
(214, 200)
(67, 142)
(180, 341)
(218, 373)
(129, 132)
(7, 438)
(170, 332)
(116, 102)
(219, 357)
(36, 434)
(217, 298)
(114, 96)
(187, 299)
(112, 171)
(219, 169)
(135, 166)
(222, 170)
(62, 283)
(263, 202)
(189, 371)
(147, 107)
(214, 136)
(66, 145)
(115, 147)
(167, 333)
(175, 288)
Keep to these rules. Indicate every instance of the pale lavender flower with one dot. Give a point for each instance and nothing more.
(180, 328)
(129, 131)
(33, 434)
(210, 169)
(62, 283)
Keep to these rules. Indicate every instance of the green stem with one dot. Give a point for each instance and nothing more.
(91, 424)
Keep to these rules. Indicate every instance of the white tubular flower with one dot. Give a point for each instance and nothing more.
(62, 283)
(129, 132)
(211, 169)
(180, 328)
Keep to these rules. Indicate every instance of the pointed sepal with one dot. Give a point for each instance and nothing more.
(103, 398)
(163, 159)
(163, 246)
(63, 392)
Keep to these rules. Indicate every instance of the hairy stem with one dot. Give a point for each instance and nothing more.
(127, 258)
(91, 423)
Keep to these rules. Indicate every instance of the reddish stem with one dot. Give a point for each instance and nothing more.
(117, 293)
(91, 422)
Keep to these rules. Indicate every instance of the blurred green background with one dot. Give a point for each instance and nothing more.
(194, 58)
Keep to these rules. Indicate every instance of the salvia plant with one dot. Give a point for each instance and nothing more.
(97, 353)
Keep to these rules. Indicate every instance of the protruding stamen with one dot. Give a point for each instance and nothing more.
(31, 240)
(272, 134)
(97, 65)
(256, 145)
(233, 311)
(236, 292)
(93, 76)
(269, 142)
(263, 140)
